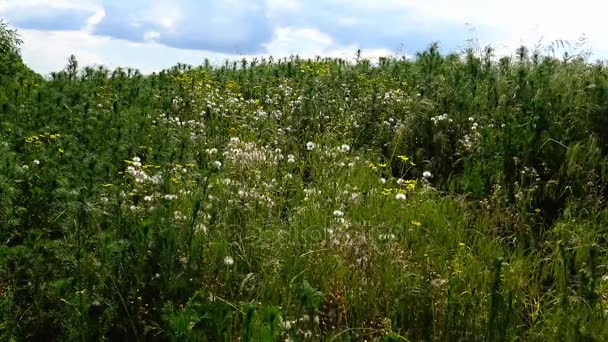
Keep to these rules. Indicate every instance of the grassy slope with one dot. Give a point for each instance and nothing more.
(227, 225)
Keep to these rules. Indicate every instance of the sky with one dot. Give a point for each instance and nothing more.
(154, 35)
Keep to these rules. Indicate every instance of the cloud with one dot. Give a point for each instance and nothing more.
(309, 42)
(227, 26)
(46, 15)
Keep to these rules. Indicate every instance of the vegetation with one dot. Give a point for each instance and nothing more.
(445, 197)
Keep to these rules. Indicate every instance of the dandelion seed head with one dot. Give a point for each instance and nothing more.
(228, 261)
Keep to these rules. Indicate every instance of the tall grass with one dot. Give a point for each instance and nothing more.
(288, 199)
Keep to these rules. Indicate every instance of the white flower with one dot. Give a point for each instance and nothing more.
(104, 200)
(217, 164)
(345, 148)
(234, 140)
(382, 180)
(25, 167)
(211, 151)
(400, 181)
(36, 162)
(170, 197)
(291, 158)
(338, 213)
(310, 145)
(400, 196)
(228, 261)
(471, 118)
(148, 198)
(137, 164)
(136, 159)
(427, 174)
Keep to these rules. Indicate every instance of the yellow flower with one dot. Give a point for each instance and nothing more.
(406, 159)
(410, 184)
(416, 223)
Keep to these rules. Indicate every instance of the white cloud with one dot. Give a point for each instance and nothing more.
(309, 43)
(7, 5)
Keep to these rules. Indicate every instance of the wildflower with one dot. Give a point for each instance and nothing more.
(471, 118)
(382, 180)
(416, 223)
(427, 174)
(136, 159)
(338, 213)
(410, 184)
(406, 159)
(234, 140)
(201, 228)
(345, 148)
(310, 146)
(400, 181)
(170, 197)
(400, 196)
(104, 200)
(211, 151)
(217, 164)
(228, 261)
(36, 162)
(148, 198)
(291, 158)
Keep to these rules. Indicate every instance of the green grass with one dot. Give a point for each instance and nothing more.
(186, 205)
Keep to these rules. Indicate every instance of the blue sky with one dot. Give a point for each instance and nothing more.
(152, 35)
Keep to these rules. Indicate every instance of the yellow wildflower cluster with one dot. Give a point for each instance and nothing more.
(40, 138)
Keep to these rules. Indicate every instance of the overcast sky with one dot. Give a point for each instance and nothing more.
(152, 35)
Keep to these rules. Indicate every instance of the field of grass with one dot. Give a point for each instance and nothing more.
(439, 198)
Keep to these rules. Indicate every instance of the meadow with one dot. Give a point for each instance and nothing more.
(444, 197)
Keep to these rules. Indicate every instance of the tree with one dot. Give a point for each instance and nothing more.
(10, 58)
